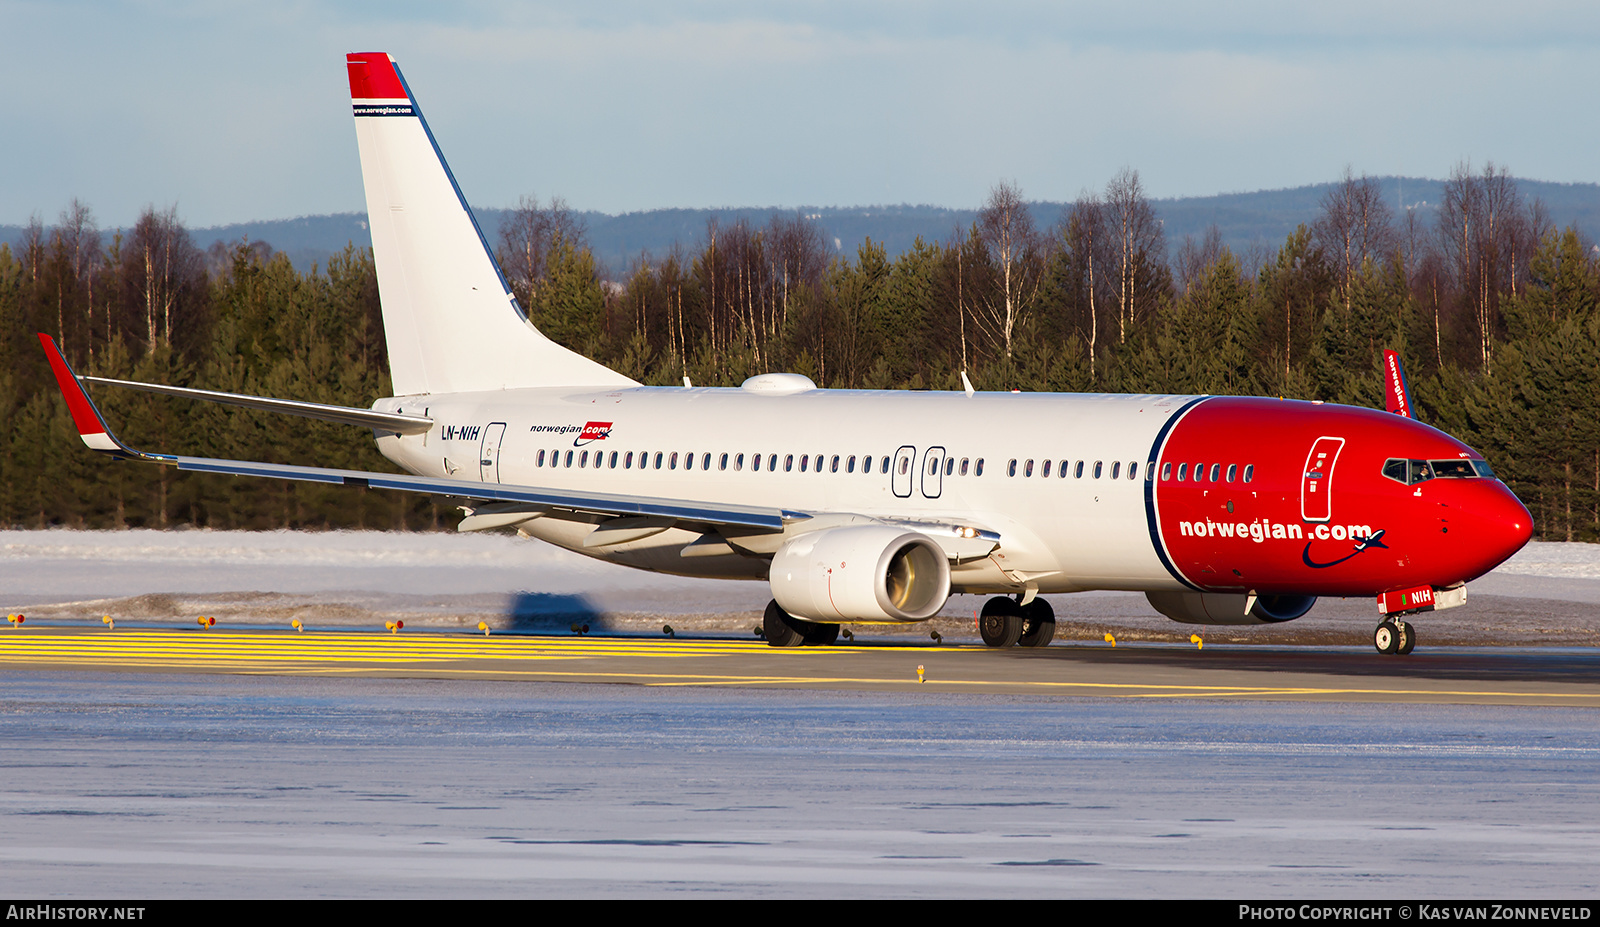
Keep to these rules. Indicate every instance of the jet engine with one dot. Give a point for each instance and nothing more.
(861, 573)
(1226, 608)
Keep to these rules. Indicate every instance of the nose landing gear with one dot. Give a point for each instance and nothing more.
(1393, 636)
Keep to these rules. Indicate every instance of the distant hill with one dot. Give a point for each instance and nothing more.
(1252, 224)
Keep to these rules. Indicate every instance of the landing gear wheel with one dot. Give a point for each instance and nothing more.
(1038, 624)
(1387, 637)
(1408, 639)
(780, 629)
(1000, 623)
(820, 634)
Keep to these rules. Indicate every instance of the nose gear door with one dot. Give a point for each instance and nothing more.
(1316, 481)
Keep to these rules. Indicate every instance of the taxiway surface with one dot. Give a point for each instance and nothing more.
(1445, 675)
(157, 759)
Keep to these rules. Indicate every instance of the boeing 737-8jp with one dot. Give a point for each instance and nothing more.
(869, 506)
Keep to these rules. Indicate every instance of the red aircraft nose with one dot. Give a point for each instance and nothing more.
(1490, 524)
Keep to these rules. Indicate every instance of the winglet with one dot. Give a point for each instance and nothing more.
(91, 426)
(1396, 392)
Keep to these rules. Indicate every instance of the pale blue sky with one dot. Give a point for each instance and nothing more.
(237, 111)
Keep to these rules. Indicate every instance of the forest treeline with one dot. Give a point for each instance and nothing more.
(1496, 312)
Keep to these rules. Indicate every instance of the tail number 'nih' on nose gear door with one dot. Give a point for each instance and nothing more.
(1316, 482)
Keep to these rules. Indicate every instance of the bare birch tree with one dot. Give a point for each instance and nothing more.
(1017, 253)
(1356, 226)
(1140, 247)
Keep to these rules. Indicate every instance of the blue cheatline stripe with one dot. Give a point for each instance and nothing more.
(506, 285)
(1154, 461)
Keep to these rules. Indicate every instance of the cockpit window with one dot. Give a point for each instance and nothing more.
(1411, 472)
(1456, 469)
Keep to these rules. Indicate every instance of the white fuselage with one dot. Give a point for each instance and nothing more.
(1058, 534)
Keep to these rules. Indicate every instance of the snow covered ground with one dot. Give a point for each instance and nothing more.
(1545, 594)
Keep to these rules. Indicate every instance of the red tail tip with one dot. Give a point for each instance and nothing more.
(373, 77)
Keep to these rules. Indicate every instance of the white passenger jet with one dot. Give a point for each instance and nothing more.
(870, 506)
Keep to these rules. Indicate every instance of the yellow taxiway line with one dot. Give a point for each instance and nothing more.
(271, 652)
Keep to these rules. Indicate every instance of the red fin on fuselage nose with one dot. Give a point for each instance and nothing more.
(1396, 393)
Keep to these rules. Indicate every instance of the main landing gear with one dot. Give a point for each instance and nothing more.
(1394, 636)
(1005, 621)
(784, 630)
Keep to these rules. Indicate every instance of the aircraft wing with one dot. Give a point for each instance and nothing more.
(94, 431)
(394, 422)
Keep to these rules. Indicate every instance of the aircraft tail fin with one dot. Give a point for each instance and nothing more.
(451, 321)
(1396, 392)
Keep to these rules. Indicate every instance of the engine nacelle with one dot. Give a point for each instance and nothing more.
(861, 573)
(1226, 608)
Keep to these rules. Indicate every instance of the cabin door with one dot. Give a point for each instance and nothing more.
(489, 454)
(1316, 481)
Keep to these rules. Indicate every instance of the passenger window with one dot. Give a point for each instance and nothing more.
(1061, 471)
(755, 462)
(672, 462)
(1011, 468)
(1183, 472)
(1233, 470)
(772, 462)
(688, 461)
(1045, 469)
(978, 467)
(569, 458)
(1077, 472)
(850, 465)
(885, 467)
(705, 461)
(1216, 473)
(1116, 469)
(738, 462)
(613, 460)
(1097, 469)
(949, 466)
(722, 462)
(540, 461)
(788, 463)
(659, 455)
(1249, 472)
(805, 459)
